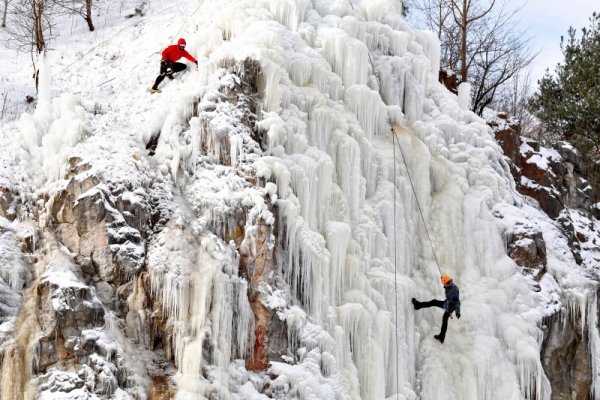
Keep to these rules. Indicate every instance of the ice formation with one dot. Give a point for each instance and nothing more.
(348, 109)
(332, 162)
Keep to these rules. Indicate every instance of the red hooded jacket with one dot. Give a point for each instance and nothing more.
(174, 53)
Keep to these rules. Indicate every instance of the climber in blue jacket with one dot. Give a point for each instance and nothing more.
(450, 305)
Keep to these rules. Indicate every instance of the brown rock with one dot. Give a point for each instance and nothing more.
(533, 172)
(8, 203)
(161, 388)
(260, 358)
(502, 115)
(528, 250)
(566, 358)
(64, 311)
(510, 142)
(449, 80)
(259, 270)
(548, 201)
(47, 354)
(91, 225)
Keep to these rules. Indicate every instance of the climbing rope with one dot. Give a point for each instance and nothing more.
(395, 140)
(200, 2)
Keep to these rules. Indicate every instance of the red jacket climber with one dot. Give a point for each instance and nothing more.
(168, 64)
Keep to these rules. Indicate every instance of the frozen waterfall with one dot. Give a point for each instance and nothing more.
(312, 218)
(327, 113)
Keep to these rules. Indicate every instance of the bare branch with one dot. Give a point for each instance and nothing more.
(483, 14)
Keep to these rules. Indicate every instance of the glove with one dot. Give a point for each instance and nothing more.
(196, 63)
(458, 314)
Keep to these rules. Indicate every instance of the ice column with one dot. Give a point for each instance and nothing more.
(464, 95)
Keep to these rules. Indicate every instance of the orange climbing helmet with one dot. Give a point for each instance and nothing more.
(446, 279)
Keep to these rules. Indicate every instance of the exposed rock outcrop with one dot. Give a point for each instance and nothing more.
(566, 358)
(102, 227)
(449, 80)
(528, 250)
(270, 332)
(555, 178)
(8, 200)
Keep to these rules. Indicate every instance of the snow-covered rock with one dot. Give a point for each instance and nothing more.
(306, 181)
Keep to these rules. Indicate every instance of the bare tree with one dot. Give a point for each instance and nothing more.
(82, 8)
(4, 12)
(466, 14)
(514, 98)
(502, 52)
(32, 25)
(432, 14)
(480, 39)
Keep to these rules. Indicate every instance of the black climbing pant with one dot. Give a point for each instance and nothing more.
(436, 303)
(168, 70)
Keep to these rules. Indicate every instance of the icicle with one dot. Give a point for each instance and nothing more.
(377, 10)
(464, 96)
(286, 12)
(13, 268)
(431, 48)
(228, 19)
(269, 85)
(594, 342)
(337, 235)
(399, 42)
(412, 102)
(348, 57)
(369, 109)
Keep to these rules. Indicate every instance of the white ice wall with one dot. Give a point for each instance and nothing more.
(334, 167)
(353, 248)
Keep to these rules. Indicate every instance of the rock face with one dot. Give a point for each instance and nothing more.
(91, 302)
(449, 80)
(8, 200)
(270, 332)
(65, 326)
(528, 250)
(566, 359)
(555, 178)
(103, 228)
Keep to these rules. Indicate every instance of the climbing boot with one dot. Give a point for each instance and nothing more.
(416, 304)
(439, 338)
(154, 90)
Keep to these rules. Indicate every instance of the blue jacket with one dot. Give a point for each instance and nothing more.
(452, 298)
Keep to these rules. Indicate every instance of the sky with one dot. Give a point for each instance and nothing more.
(546, 21)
